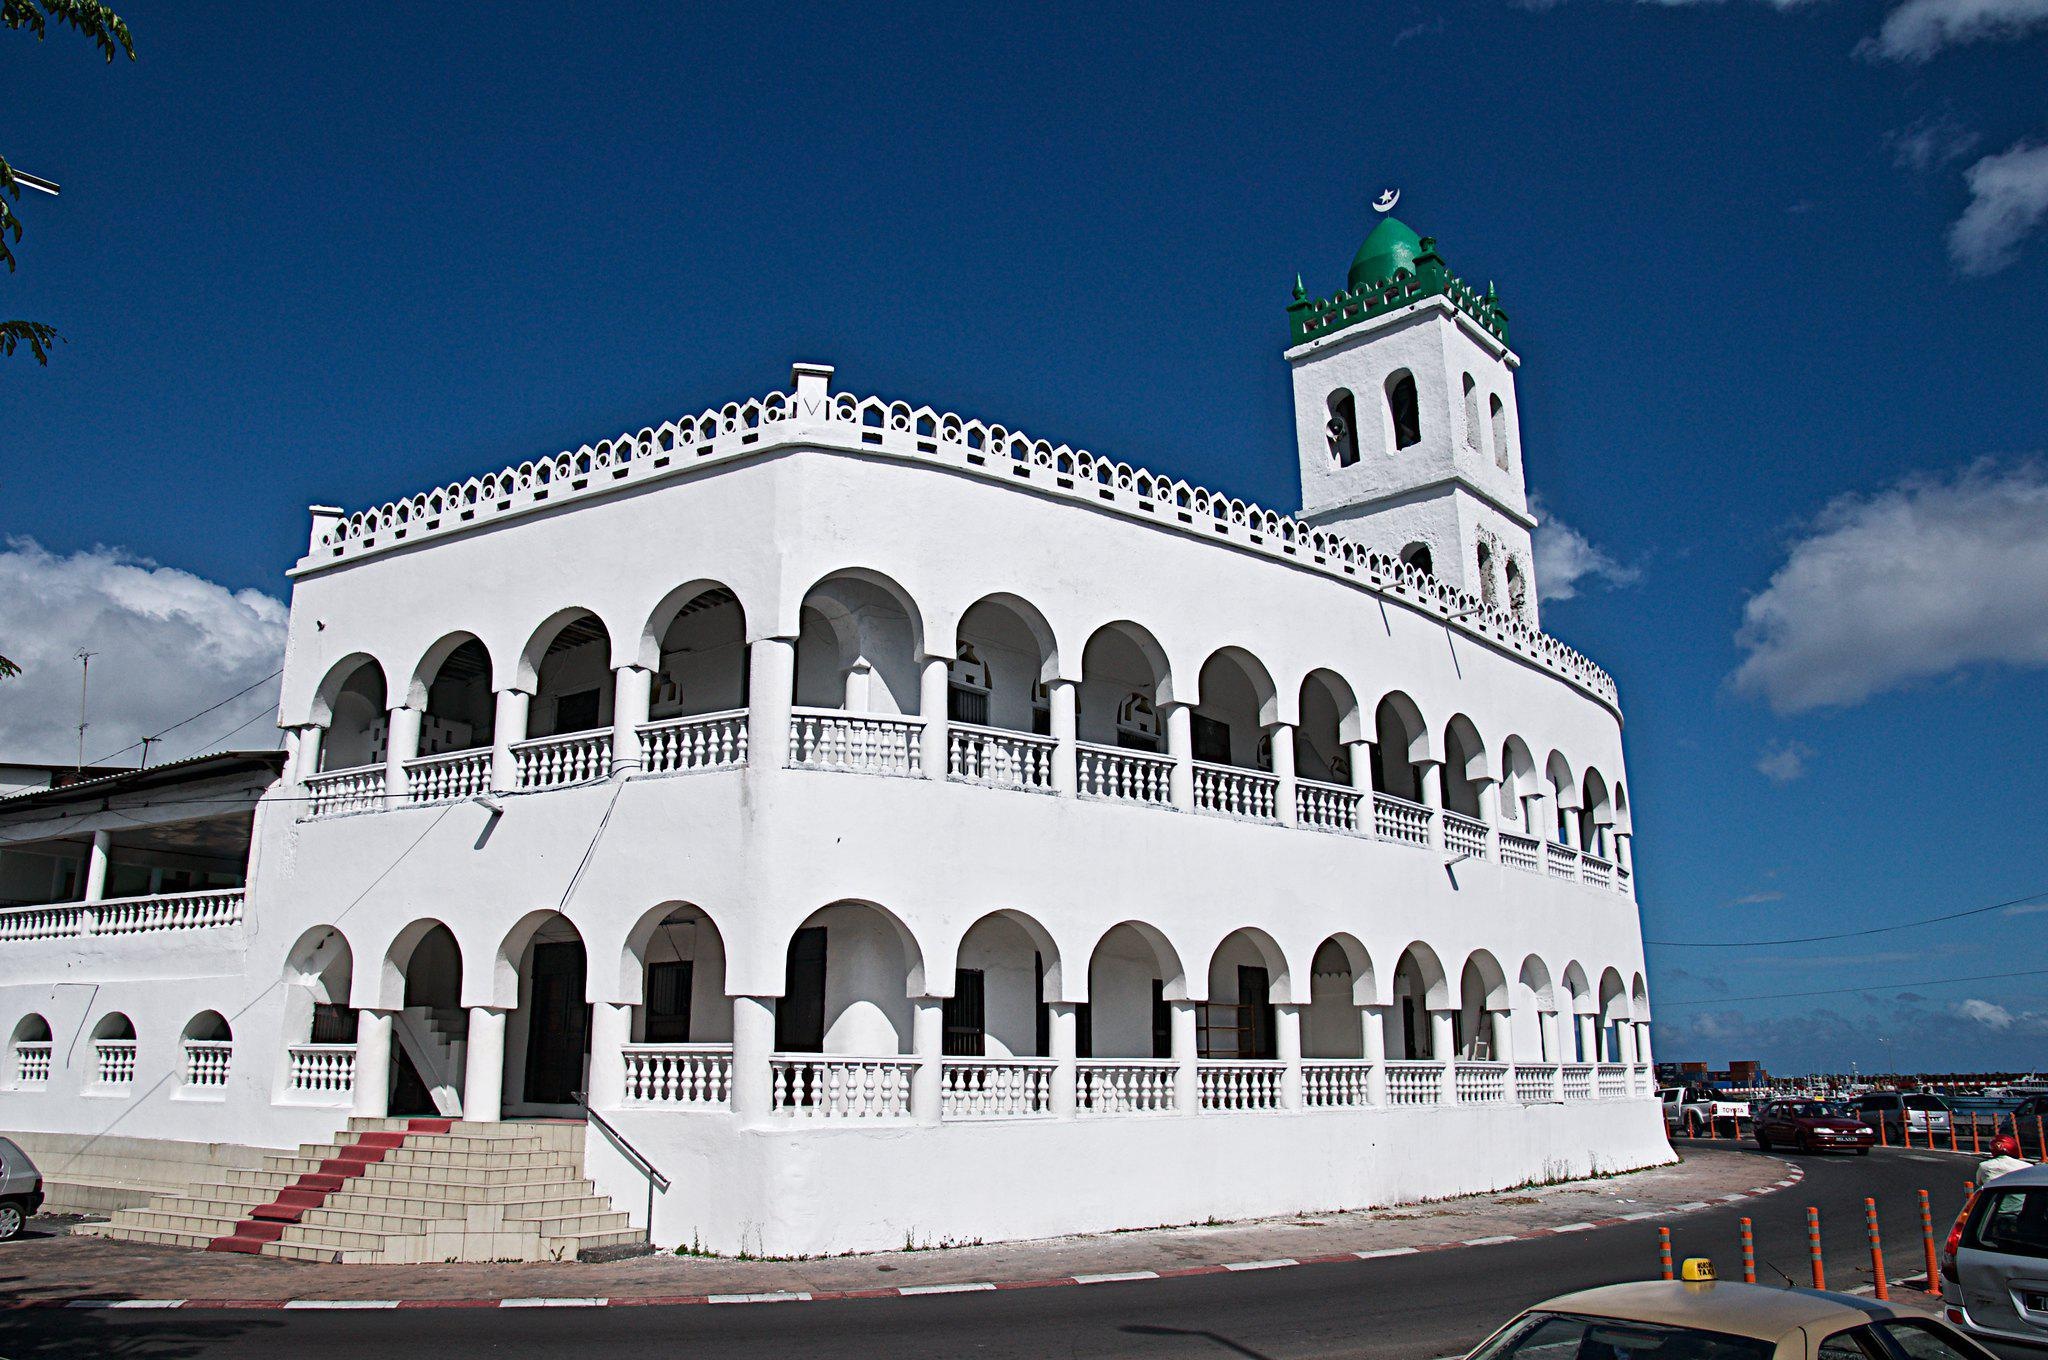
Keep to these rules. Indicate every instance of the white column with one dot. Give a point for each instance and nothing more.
(401, 743)
(753, 1040)
(508, 727)
(373, 1064)
(1063, 708)
(1500, 1035)
(1062, 1031)
(1643, 1043)
(483, 1077)
(933, 684)
(1488, 792)
(1546, 1033)
(611, 1029)
(1361, 780)
(96, 866)
(771, 689)
(1372, 1035)
(1625, 1043)
(1587, 1045)
(927, 1042)
(1430, 776)
(310, 738)
(1180, 744)
(1287, 1045)
(1443, 1048)
(1187, 1083)
(1281, 736)
(632, 688)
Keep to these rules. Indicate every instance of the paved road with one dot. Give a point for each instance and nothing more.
(1400, 1308)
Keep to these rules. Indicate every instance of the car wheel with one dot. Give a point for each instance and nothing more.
(1763, 1141)
(1862, 1152)
(10, 1221)
(1692, 1126)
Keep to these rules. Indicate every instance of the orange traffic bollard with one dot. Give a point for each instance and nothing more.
(1975, 1151)
(1952, 1134)
(1820, 1274)
(2040, 1140)
(1927, 1240)
(1884, 1292)
(1883, 1133)
(1749, 1253)
(1664, 1252)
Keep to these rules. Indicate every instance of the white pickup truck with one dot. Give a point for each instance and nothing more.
(1695, 1111)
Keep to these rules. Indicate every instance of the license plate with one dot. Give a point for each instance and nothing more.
(2034, 1303)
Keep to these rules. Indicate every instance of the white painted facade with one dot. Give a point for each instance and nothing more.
(1357, 928)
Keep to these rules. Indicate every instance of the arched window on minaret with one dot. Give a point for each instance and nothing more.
(1488, 594)
(1518, 590)
(1472, 426)
(1500, 433)
(1343, 427)
(1417, 556)
(1404, 409)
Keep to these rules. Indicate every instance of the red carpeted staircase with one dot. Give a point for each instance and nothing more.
(267, 1222)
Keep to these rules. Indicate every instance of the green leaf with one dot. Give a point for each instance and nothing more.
(37, 336)
(91, 18)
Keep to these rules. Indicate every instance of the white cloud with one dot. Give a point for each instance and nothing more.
(166, 644)
(1784, 761)
(1931, 143)
(1906, 585)
(2008, 200)
(1920, 29)
(1567, 563)
(1756, 899)
(1986, 1013)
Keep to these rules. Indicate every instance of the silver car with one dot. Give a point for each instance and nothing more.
(21, 1189)
(1994, 1275)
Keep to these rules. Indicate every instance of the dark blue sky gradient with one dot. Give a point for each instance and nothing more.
(319, 255)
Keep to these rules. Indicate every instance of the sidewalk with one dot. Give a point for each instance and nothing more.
(48, 1271)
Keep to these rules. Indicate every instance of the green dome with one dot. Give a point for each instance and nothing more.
(1391, 246)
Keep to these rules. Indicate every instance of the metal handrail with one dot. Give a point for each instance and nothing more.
(655, 1180)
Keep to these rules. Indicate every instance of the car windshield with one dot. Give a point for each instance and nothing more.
(1803, 1109)
(1925, 1103)
(1566, 1336)
(2014, 1222)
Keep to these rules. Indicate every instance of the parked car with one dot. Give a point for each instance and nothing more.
(1723, 1321)
(21, 1189)
(1695, 1111)
(1905, 1113)
(1809, 1126)
(1994, 1271)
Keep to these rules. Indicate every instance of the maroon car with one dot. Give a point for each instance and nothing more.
(1809, 1126)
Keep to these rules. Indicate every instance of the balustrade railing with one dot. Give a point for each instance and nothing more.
(324, 1072)
(995, 1088)
(817, 1086)
(206, 1062)
(1613, 1082)
(1124, 1085)
(1595, 871)
(1415, 1083)
(1536, 1083)
(1481, 1083)
(448, 777)
(855, 743)
(1398, 820)
(1521, 852)
(1124, 776)
(702, 741)
(124, 915)
(114, 1061)
(677, 1076)
(999, 758)
(570, 758)
(1239, 1083)
(1578, 1081)
(1327, 807)
(1562, 859)
(1336, 1083)
(1236, 792)
(1464, 835)
(32, 1064)
(360, 788)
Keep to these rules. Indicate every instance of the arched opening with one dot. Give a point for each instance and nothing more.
(547, 1036)
(857, 647)
(113, 1045)
(1404, 410)
(1483, 1010)
(1342, 427)
(1326, 736)
(1489, 593)
(1582, 1043)
(1420, 1022)
(1236, 704)
(1133, 976)
(455, 686)
(699, 654)
(1557, 772)
(1614, 1014)
(1518, 591)
(1247, 976)
(847, 983)
(1123, 681)
(1002, 973)
(1465, 772)
(318, 974)
(430, 1033)
(1501, 456)
(572, 660)
(1518, 787)
(1418, 556)
(209, 1045)
(1596, 816)
(1400, 742)
(1472, 425)
(1535, 1013)
(205, 1027)
(1004, 657)
(675, 959)
(1341, 984)
(358, 720)
(31, 1029)
(31, 1051)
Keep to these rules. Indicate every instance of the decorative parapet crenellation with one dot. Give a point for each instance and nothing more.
(1314, 319)
(740, 430)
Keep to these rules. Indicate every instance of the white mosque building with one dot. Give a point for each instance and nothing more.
(882, 827)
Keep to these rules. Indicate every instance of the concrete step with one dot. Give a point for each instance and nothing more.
(426, 1200)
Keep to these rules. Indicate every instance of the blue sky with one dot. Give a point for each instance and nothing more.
(304, 258)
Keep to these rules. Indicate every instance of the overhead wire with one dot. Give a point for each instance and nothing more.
(1852, 934)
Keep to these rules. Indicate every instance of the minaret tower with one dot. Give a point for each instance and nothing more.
(1404, 411)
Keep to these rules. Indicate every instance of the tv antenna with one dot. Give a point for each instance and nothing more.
(84, 678)
(36, 182)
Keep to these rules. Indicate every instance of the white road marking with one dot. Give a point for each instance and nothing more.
(1117, 1277)
(1262, 1265)
(550, 1303)
(1377, 1253)
(760, 1298)
(944, 1288)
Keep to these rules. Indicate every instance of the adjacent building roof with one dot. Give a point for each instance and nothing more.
(218, 765)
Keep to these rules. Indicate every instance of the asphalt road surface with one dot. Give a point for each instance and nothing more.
(1396, 1308)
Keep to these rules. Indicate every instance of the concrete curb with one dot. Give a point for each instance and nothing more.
(1793, 1175)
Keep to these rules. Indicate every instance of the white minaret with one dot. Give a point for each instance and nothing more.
(1404, 410)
